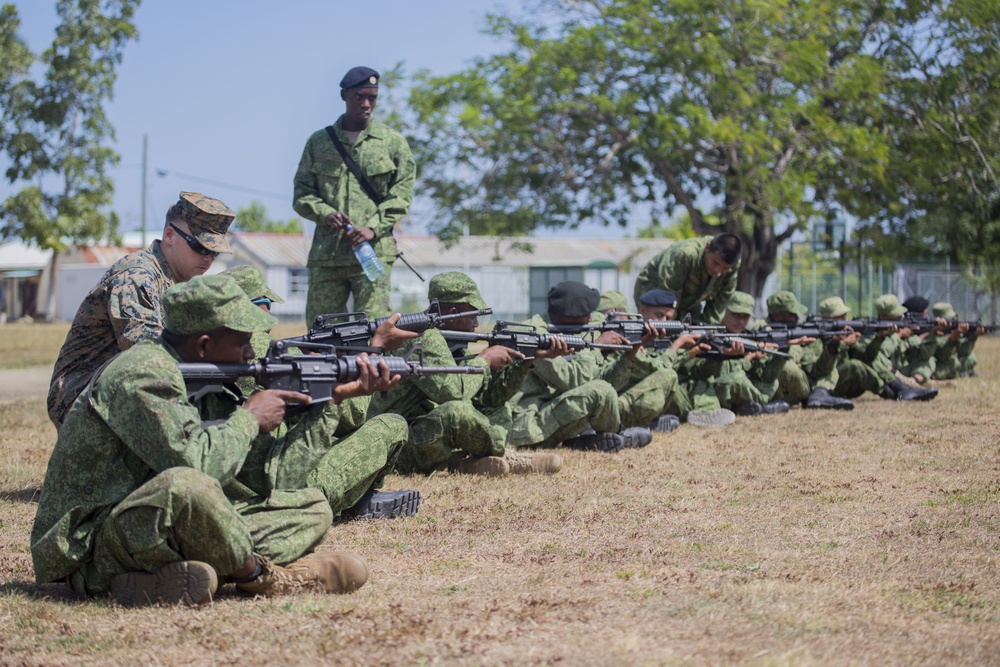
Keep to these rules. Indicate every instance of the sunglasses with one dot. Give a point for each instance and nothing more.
(193, 243)
(262, 301)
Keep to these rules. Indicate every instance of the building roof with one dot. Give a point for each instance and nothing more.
(18, 256)
(428, 251)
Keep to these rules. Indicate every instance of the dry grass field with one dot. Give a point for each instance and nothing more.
(812, 538)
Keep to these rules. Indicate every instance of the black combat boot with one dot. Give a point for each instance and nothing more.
(822, 399)
(903, 392)
(775, 408)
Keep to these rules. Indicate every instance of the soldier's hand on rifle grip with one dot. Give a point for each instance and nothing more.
(268, 406)
(802, 341)
(557, 348)
(887, 331)
(735, 349)
(498, 356)
(685, 342)
(389, 337)
(612, 338)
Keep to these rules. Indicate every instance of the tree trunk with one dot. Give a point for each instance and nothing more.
(53, 288)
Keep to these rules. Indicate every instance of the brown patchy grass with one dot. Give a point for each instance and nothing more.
(23, 345)
(811, 538)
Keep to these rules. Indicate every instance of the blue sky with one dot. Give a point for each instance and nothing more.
(229, 91)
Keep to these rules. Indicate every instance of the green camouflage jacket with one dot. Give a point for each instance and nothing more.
(121, 310)
(324, 184)
(141, 424)
(681, 269)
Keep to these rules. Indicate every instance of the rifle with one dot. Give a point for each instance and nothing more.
(525, 339)
(753, 341)
(928, 323)
(633, 327)
(314, 374)
(354, 330)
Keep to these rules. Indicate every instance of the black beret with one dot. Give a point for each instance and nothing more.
(916, 304)
(359, 76)
(659, 298)
(571, 298)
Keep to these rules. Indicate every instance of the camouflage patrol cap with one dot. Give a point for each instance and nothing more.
(251, 281)
(206, 303)
(784, 301)
(207, 218)
(571, 298)
(455, 287)
(888, 305)
(612, 300)
(944, 309)
(741, 303)
(833, 306)
(359, 76)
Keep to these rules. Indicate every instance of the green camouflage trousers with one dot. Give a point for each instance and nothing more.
(793, 384)
(182, 514)
(537, 423)
(855, 378)
(642, 402)
(451, 431)
(735, 388)
(330, 286)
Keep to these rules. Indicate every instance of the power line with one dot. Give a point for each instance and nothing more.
(263, 193)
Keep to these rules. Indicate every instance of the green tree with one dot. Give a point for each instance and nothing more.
(56, 131)
(735, 108)
(253, 218)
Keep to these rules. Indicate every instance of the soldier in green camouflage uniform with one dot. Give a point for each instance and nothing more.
(133, 501)
(784, 309)
(328, 194)
(701, 272)
(946, 344)
(572, 400)
(458, 421)
(612, 301)
(350, 470)
(124, 307)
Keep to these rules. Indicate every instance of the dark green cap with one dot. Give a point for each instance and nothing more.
(784, 302)
(944, 309)
(741, 303)
(251, 281)
(206, 303)
(571, 298)
(455, 287)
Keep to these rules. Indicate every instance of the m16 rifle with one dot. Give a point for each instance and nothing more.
(633, 327)
(316, 375)
(525, 339)
(347, 331)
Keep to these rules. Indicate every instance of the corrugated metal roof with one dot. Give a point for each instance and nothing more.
(19, 256)
(428, 251)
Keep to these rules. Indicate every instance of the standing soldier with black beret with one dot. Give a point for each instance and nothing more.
(352, 206)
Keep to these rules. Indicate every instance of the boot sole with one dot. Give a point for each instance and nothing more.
(403, 503)
(188, 582)
(609, 443)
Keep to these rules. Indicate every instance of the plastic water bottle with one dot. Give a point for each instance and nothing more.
(368, 259)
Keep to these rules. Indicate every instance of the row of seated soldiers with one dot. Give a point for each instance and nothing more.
(595, 399)
(155, 492)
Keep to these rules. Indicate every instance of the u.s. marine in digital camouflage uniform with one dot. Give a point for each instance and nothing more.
(349, 470)
(701, 272)
(133, 501)
(125, 305)
(328, 194)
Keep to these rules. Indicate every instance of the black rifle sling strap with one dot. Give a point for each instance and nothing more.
(365, 185)
(352, 165)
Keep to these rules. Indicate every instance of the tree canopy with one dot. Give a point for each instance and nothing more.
(254, 218)
(758, 114)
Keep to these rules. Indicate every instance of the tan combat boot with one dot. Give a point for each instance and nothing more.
(491, 466)
(339, 572)
(524, 464)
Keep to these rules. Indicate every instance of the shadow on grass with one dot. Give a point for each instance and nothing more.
(22, 495)
(39, 592)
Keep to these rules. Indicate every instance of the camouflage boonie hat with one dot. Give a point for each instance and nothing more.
(251, 281)
(205, 303)
(944, 309)
(784, 302)
(741, 303)
(612, 300)
(888, 305)
(833, 306)
(207, 218)
(455, 287)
